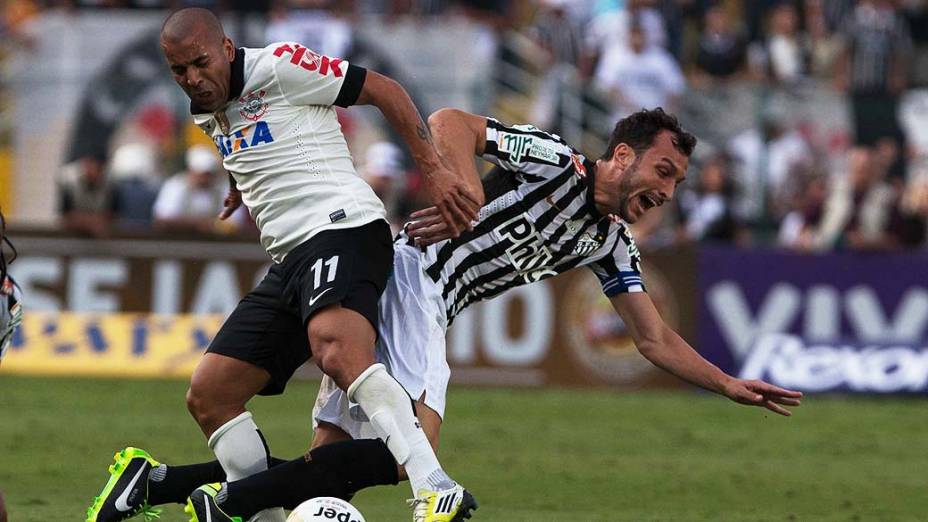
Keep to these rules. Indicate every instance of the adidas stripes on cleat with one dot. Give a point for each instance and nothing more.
(449, 505)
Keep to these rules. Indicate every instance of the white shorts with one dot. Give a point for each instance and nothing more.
(411, 345)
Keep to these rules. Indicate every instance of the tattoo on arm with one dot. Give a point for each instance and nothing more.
(423, 131)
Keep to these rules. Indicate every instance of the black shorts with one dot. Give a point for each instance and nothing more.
(268, 327)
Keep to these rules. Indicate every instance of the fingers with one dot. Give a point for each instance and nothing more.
(431, 235)
(468, 205)
(423, 222)
(776, 408)
(769, 389)
(425, 212)
(785, 401)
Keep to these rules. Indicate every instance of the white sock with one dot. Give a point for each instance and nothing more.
(241, 450)
(391, 413)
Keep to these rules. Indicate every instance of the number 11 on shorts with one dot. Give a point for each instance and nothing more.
(330, 265)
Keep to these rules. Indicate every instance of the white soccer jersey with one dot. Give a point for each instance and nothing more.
(539, 221)
(281, 141)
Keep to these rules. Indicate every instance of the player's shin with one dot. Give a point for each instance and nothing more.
(334, 470)
(240, 448)
(392, 416)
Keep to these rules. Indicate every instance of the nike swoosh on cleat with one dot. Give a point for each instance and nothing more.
(316, 298)
(121, 504)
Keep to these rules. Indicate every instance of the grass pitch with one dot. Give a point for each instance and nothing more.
(527, 455)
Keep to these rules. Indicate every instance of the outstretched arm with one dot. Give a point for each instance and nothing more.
(456, 200)
(667, 350)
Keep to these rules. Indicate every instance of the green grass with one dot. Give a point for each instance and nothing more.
(527, 455)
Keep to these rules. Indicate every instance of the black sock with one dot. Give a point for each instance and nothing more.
(180, 481)
(335, 470)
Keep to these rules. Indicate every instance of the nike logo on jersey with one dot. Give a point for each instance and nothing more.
(312, 300)
(122, 501)
(250, 136)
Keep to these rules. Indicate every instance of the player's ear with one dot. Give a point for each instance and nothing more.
(624, 156)
(229, 48)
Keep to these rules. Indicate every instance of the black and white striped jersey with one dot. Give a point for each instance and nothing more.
(539, 221)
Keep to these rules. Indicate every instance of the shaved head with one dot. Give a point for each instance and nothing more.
(192, 20)
(199, 55)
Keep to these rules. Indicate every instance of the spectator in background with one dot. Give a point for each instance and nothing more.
(706, 213)
(641, 77)
(764, 157)
(383, 171)
(859, 209)
(87, 199)
(608, 32)
(135, 178)
(317, 24)
(191, 200)
(787, 49)
(799, 227)
(722, 49)
(874, 68)
(559, 38)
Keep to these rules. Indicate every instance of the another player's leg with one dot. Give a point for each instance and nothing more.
(343, 343)
(336, 467)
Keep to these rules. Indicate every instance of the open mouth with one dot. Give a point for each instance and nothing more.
(648, 201)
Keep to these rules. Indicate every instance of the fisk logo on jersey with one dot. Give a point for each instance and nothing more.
(309, 60)
(250, 136)
(527, 253)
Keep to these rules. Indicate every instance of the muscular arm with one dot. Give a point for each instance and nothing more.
(457, 201)
(459, 136)
(662, 346)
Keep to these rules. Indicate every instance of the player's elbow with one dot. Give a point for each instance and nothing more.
(443, 117)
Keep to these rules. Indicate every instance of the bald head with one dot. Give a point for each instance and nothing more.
(199, 55)
(191, 21)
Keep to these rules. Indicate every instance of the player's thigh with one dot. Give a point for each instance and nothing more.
(220, 379)
(342, 341)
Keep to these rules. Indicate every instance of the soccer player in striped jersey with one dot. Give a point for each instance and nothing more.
(549, 209)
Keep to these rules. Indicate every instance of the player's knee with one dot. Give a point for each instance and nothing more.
(205, 410)
(334, 359)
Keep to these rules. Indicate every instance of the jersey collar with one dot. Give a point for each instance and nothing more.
(236, 82)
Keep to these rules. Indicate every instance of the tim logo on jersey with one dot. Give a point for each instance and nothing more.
(250, 136)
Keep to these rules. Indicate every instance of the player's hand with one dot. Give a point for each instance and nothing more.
(231, 203)
(765, 395)
(458, 203)
(427, 227)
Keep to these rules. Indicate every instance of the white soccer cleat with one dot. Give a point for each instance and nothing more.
(448, 505)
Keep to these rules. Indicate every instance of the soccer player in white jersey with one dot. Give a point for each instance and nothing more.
(270, 113)
(11, 311)
(549, 209)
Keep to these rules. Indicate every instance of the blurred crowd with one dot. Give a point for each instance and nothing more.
(771, 182)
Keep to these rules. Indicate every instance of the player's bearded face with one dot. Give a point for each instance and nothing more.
(202, 66)
(651, 180)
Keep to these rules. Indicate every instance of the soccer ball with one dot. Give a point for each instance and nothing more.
(325, 509)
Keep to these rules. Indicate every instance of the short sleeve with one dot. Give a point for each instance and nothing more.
(526, 149)
(308, 78)
(619, 270)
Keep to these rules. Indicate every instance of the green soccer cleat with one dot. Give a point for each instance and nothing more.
(126, 492)
(202, 507)
(448, 505)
